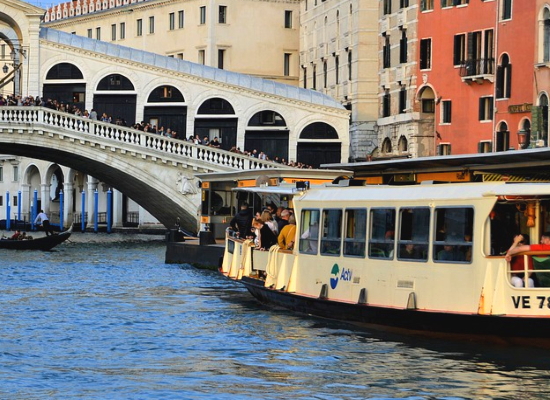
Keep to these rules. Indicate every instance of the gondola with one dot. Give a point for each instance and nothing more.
(43, 243)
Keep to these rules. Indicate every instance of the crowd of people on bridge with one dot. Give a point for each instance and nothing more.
(13, 100)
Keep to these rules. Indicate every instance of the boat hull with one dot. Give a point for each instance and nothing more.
(498, 328)
(44, 243)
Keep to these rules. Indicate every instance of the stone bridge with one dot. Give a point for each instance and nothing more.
(155, 171)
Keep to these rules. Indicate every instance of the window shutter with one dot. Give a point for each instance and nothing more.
(508, 81)
(456, 53)
(481, 110)
(480, 147)
(440, 147)
(499, 82)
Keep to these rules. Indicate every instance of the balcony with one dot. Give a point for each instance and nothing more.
(478, 70)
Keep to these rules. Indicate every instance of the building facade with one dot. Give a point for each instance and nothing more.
(258, 38)
(339, 57)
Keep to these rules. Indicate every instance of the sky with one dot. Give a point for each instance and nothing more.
(44, 3)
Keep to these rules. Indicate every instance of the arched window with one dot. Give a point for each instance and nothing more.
(542, 124)
(386, 146)
(504, 78)
(546, 35)
(503, 137)
(403, 144)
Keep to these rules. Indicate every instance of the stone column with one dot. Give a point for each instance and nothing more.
(26, 201)
(117, 209)
(90, 193)
(44, 198)
(68, 200)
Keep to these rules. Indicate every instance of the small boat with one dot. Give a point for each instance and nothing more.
(426, 258)
(43, 243)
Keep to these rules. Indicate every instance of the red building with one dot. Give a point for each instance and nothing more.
(468, 90)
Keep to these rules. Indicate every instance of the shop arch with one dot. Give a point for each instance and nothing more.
(166, 108)
(502, 137)
(115, 100)
(319, 144)
(267, 131)
(71, 91)
(216, 118)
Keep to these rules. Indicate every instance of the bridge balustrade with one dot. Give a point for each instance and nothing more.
(47, 118)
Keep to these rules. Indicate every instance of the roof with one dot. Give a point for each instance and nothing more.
(290, 173)
(528, 161)
(190, 68)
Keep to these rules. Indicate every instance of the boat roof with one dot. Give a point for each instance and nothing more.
(528, 161)
(289, 173)
(277, 190)
(427, 192)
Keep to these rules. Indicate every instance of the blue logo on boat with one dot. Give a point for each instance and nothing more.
(334, 276)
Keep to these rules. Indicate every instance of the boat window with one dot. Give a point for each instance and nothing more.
(414, 233)
(355, 232)
(382, 233)
(453, 234)
(309, 231)
(331, 238)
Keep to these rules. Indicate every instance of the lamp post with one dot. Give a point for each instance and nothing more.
(523, 139)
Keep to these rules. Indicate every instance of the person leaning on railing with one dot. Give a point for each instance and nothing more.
(543, 246)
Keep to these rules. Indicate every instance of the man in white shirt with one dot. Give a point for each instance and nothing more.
(43, 219)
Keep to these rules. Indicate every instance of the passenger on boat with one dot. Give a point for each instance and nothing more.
(518, 264)
(242, 221)
(267, 217)
(450, 253)
(16, 235)
(283, 220)
(267, 237)
(287, 237)
(410, 251)
(543, 246)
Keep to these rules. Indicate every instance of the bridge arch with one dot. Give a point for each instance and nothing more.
(64, 82)
(318, 144)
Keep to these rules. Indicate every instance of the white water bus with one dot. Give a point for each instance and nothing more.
(426, 257)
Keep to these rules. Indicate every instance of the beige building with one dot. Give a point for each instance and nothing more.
(258, 38)
(339, 57)
(400, 131)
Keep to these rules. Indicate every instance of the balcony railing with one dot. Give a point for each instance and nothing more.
(478, 69)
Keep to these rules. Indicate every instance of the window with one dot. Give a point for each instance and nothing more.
(122, 30)
(304, 71)
(504, 79)
(222, 15)
(486, 108)
(426, 5)
(166, 92)
(459, 51)
(349, 65)
(403, 3)
(151, 24)
(14, 203)
(180, 19)
(444, 149)
(502, 138)
(453, 235)
(314, 78)
(113, 32)
(139, 27)
(221, 56)
(90, 34)
(1, 174)
(1, 200)
(386, 103)
(402, 99)
(286, 66)
(382, 233)
(403, 47)
(387, 7)
(446, 111)
(546, 36)
(325, 74)
(425, 53)
(98, 33)
(331, 235)
(414, 233)
(288, 19)
(447, 3)
(171, 21)
(336, 69)
(15, 173)
(202, 57)
(309, 235)
(355, 232)
(428, 106)
(506, 9)
(484, 146)
(386, 52)
(202, 15)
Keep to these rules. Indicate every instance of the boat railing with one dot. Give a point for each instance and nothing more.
(536, 266)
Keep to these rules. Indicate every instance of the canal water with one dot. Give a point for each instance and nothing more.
(112, 321)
